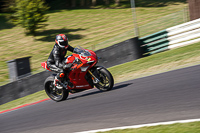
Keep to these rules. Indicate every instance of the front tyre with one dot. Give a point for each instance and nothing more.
(106, 80)
(54, 93)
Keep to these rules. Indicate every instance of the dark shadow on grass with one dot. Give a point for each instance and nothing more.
(98, 92)
(4, 24)
(151, 3)
(63, 4)
(157, 3)
(49, 35)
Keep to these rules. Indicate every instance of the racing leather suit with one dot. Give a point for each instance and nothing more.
(56, 57)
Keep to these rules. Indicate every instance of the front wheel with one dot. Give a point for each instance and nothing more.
(54, 93)
(106, 80)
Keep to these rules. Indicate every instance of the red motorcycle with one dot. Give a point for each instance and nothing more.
(83, 75)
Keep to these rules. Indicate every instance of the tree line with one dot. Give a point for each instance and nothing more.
(67, 4)
(82, 3)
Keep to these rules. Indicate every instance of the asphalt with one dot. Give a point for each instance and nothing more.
(163, 97)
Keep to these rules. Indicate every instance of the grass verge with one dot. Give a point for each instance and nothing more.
(193, 127)
(162, 62)
(40, 95)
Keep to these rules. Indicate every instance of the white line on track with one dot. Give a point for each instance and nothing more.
(143, 125)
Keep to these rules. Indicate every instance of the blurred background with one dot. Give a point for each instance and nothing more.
(92, 24)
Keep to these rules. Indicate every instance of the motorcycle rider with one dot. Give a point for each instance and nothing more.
(55, 61)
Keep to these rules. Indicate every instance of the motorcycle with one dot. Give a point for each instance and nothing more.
(84, 74)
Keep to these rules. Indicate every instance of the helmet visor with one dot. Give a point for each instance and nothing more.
(63, 43)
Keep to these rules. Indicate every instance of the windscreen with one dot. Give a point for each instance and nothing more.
(82, 51)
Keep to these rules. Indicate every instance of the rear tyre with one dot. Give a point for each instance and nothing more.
(106, 79)
(54, 93)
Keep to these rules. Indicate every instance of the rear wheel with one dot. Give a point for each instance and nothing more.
(54, 93)
(106, 80)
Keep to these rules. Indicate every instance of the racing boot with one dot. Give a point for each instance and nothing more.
(57, 83)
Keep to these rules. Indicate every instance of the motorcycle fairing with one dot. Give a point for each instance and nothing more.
(77, 78)
(78, 73)
(44, 65)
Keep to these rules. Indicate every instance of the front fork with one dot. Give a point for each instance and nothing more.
(95, 79)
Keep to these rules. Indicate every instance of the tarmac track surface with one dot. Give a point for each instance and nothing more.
(163, 97)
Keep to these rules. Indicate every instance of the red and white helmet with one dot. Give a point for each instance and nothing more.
(62, 41)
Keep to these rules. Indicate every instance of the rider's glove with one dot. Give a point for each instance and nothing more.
(67, 66)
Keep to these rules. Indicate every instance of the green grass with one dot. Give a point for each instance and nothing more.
(40, 95)
(161, 62)
(193, 127)
(84, 27)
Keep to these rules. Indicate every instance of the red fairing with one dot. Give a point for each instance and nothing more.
(93, 57)
(44, 65)
(70, 59)
(81, 64)
(93, 53)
